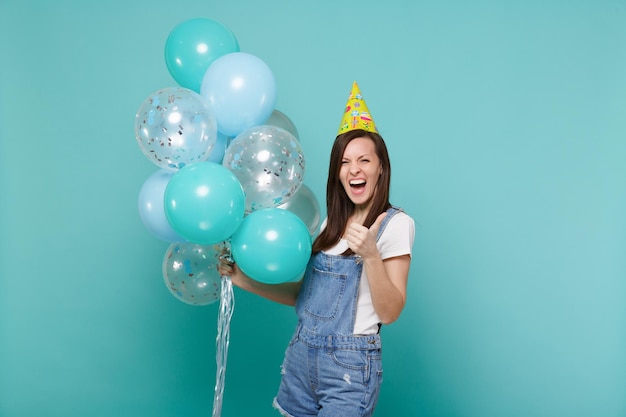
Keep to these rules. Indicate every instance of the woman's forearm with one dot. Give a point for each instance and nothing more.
(285, 293)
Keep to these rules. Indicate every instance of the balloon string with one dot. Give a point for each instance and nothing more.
(227, 305)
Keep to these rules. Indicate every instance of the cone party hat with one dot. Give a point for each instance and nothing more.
(356, 115)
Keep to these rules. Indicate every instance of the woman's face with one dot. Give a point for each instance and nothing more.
(360, 169)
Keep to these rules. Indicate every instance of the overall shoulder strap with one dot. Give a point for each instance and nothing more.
(392, 211)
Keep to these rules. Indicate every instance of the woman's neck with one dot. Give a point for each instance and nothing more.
(359, 215)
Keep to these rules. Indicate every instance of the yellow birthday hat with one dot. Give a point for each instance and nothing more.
(356, 115)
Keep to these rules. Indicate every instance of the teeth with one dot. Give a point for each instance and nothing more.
(357, 182)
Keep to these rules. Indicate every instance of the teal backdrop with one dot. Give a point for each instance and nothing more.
(506, 124)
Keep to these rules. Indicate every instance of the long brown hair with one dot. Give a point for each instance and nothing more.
(339, 207)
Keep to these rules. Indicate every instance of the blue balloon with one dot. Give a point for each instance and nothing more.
(241, 91)
(219, 149)
(272, 246)
(191, 48)
(151, 209)
(204, 203)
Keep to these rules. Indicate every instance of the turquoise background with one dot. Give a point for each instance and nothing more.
(506, 123)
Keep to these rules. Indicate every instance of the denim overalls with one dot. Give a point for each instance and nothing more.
(327, 371)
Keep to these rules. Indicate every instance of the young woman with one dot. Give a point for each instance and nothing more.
(355, 281)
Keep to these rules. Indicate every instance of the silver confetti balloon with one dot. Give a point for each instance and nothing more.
(174, 127)
(191, 273)
(269, 163)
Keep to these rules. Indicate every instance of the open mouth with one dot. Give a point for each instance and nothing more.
(357, 184)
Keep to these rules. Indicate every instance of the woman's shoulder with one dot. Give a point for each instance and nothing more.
(400, 223)
(401, 216)
(398, 236)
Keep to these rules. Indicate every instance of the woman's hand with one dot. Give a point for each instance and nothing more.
(226, 265)
(285, 293)
(362, 240)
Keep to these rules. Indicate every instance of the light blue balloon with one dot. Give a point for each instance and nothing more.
(241, 91)
(151, 209)
(217, 153)
(204, 203)
(272, 246)
(192, 46)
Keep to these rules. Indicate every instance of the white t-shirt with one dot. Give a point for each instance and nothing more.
(396, 240)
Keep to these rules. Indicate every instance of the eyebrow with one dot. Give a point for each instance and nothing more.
(360, 156)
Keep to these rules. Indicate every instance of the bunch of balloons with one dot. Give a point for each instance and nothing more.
(231, 168)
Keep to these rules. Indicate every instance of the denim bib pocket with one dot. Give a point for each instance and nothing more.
(323, 302)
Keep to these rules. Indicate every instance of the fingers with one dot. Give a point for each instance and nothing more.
(358, 229)
(355, 229)
(225, 270)
(361, 239)
(226, 266)
(378, 222)
(357, 236)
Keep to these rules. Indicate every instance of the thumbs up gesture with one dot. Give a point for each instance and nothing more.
(362, 240)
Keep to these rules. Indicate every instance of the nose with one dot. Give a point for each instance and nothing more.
(354, 169)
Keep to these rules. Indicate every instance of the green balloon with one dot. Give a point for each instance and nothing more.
(192, 46)
(272, 246)
(204, 203)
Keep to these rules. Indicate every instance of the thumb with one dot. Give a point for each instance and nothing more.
(377, 222)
